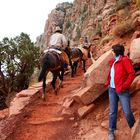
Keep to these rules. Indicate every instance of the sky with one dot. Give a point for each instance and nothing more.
(28, 16)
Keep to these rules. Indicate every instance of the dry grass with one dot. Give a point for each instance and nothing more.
(123, 28)
(122, 4)
(138, 3)
(106, 39)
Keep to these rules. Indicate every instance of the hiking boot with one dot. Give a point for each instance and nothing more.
(111, 135)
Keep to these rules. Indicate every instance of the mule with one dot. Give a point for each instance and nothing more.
(53, 62)
(79, 55)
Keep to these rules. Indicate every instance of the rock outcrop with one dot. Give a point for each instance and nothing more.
(84, 18)
(95, 78)
(135, 51)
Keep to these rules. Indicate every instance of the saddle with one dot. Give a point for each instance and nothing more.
(60, 53)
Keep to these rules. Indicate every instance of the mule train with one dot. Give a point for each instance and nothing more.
(77, 55)
(53, 60)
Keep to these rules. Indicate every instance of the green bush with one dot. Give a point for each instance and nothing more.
(68, 24)
(18, 57)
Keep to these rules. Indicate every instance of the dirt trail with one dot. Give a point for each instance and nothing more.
(47, 120)
(50, 121)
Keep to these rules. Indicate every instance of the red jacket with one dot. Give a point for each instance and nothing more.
(124, 73)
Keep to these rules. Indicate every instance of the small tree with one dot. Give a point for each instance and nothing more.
(122, 3)
(18, 57)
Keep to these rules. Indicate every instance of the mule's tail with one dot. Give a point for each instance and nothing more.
(43, 71)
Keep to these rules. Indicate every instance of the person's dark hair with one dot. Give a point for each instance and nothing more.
(118, 49)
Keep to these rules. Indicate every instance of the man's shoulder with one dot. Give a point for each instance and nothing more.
(59, 34)
(126, 59)
(56, 35)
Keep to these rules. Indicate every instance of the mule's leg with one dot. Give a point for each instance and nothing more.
(84, 65)
(71, 66)
(44, 88)
(53, 82)
(72, 71)
(75, 67)
(61, 76)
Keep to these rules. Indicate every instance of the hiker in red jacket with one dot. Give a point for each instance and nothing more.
(120, 77)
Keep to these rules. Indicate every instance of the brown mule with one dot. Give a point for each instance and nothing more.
(77, 55)
(54, 62)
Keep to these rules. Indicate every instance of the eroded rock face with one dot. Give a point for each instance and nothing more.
(80, 18)
(55, 18)
(19, 107)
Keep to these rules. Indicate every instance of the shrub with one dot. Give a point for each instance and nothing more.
(106, 39)
(60, 9)
(98, 29)
(122, 3)
(138, 3)
(78, 33)
(94, 3)
(83, 17)
(122, 28)
(18, 58)
(83, 9)
(68, 24)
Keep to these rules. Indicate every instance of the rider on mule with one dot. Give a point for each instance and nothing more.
(58, 41)
(84, 46)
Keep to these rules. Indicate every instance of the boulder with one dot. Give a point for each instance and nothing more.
(83, 111)
(135, 51)
(95, 78)
(88, 94)
(135, 86)
(68, 102)
(97, 72)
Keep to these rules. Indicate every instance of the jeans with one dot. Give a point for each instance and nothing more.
(124, 99)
